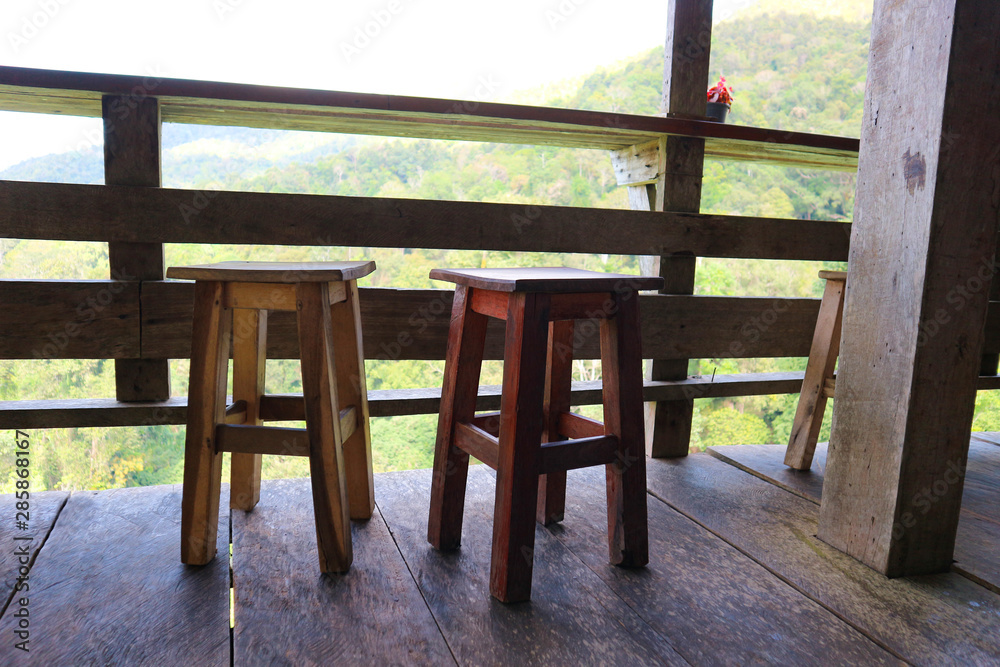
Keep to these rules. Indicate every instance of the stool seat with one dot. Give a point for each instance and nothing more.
(546, 280)
(273, 272)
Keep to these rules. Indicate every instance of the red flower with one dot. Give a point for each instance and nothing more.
(720, 92)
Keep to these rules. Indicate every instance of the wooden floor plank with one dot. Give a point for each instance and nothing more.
(977, 545)
(288, 613)
(108, 587)
(44, 508)
(702, 594)
(572, 618)
(990, 437)
(936, 619)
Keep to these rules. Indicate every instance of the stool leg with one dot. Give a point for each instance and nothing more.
(352, 390)
(621, 368)
(326, 460)
(558, 383)
(249, 361)
(822, 361)
(466, 337)
(206, 409)
(520, 441)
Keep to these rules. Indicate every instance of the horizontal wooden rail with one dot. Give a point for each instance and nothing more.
(53, 320)
(66, 212)
(214, 103)
(397, 324)
(100, 412)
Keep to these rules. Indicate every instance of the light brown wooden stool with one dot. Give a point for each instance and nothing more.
(231, 300)
(539, 306)
(819, 382)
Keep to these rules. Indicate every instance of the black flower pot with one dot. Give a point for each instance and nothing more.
(717, 111)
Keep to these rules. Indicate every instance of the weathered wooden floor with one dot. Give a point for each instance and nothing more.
(736, 577)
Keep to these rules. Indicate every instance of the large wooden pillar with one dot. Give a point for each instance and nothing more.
(921, 263)
(132, 157)
(680, 163)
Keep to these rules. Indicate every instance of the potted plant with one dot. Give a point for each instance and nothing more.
(720, 99)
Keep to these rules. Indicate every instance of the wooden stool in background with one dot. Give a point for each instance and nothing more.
(539, 306)
(231, 301)
(819, 383)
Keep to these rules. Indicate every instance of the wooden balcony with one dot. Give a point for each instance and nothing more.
(736, 576)
(737, 573)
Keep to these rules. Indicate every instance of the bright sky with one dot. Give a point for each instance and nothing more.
(435, 48)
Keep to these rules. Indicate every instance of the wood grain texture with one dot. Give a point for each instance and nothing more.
(214, 103)
(162, 215)
(107, 587)
(927, 214)
(326, 457)
(556, 398)
(24, 545)
(680, 166)
(274, 272)
(413, 324)
(249, 364)
(72, 413)
(286, 614)
(477, 443)
(976, 554)
(463, 365)
(572, 617)
(711, 602)
(132, 157)
(941, 618)
(83, 413)
(521, 426)
(819, 372)
(352, 392)
(546, 280)
(81, 319)
(207, 393)
(621, 369)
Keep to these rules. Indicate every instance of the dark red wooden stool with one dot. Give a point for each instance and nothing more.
(540, 306)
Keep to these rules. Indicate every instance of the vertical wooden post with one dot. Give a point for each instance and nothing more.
(678, 188)
(921, 261)
(132, 157)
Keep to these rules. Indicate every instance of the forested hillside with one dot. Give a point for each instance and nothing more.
(789, 70)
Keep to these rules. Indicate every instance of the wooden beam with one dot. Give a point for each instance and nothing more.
(478, 443)
(215, 103)
(397, 324)
(413, 324)
(680, 166)
(918, 284)
(94, 319)
(132, 157)
(67, 212)
(581, 453)
(103, 412)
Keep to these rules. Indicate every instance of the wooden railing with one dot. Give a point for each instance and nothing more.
(149, 319)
